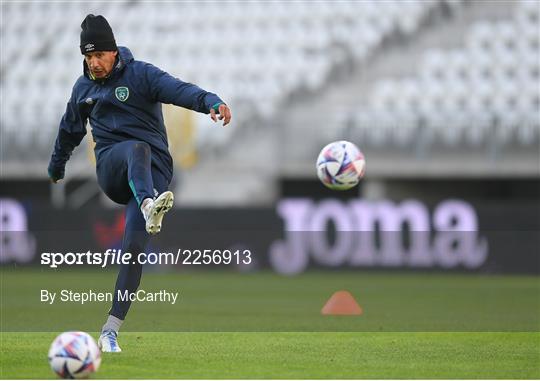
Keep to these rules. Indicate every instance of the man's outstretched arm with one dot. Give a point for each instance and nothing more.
(70, 134)
(166, 89)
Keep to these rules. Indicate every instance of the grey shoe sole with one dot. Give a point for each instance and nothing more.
(161, 206)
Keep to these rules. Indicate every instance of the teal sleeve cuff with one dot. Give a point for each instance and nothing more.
(216, 106)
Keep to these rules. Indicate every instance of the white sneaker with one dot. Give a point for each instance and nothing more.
(154, 210)
(108, 341)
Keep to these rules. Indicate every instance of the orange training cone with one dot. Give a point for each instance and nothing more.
(341, 303)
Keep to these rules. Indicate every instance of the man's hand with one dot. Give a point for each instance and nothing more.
(55, 174)
(224, 114)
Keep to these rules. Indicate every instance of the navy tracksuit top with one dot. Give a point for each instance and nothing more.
(126, 106)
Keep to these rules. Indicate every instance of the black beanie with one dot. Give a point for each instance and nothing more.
(96, 35)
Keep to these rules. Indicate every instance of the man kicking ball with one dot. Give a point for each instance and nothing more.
(121, 98)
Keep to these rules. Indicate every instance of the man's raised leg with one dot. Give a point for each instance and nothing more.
(139, 176)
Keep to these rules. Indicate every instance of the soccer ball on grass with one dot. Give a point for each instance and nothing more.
(74, 355)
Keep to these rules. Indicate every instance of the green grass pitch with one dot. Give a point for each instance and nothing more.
(295, 355)
(263, 325)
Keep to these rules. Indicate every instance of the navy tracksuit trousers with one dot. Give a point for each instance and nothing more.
(126, 175)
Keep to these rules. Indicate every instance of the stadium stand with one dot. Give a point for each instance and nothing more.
(405, 123)
(271, 50)
(425, 88)
(464, 95)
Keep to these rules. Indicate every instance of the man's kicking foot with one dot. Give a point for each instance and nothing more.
(154, 210)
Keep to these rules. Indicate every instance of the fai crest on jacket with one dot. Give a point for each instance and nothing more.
(122, 93)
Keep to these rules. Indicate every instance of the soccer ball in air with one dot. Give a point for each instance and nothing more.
(340, 165)
(74, 355)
